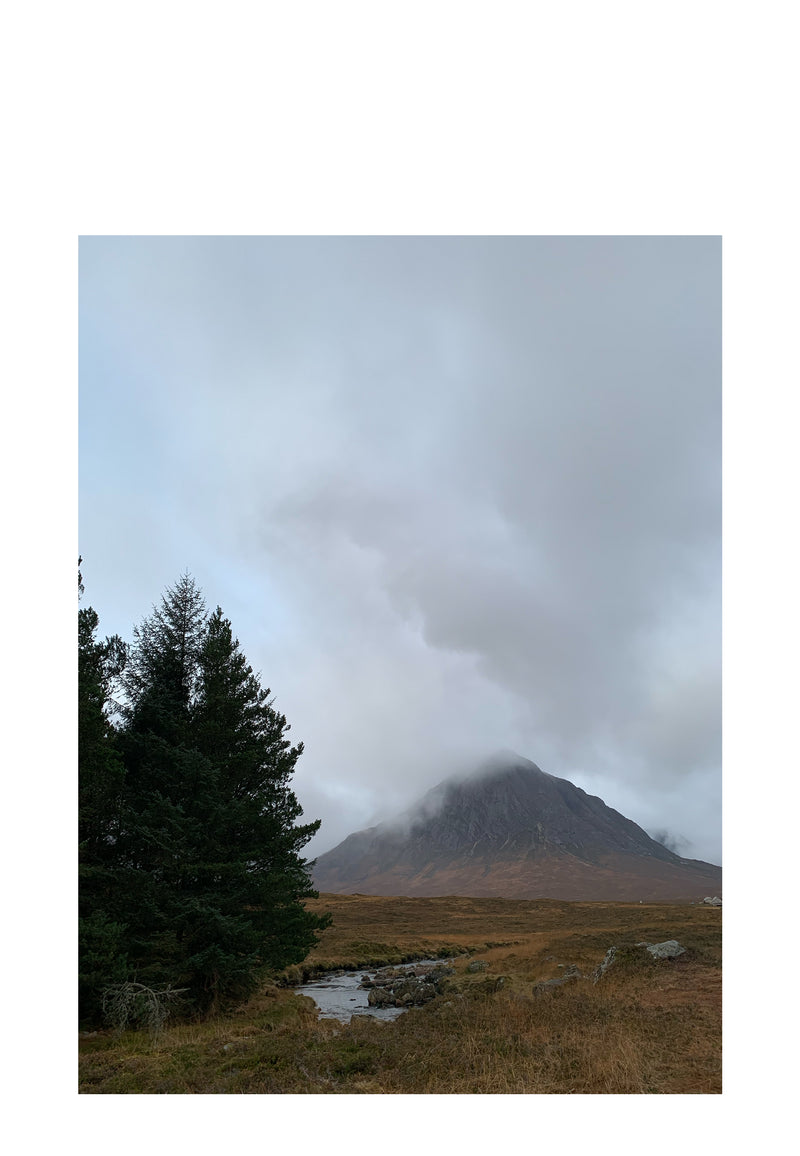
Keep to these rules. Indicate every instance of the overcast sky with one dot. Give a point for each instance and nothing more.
(455, 494)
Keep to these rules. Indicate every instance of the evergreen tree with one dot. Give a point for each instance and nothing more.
(207, 868)
(164, 774)
(101, 775)
(252, 877)
(161, 673)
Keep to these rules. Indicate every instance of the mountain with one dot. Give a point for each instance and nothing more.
(512, 830)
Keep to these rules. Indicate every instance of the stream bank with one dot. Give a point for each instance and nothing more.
(384, 993)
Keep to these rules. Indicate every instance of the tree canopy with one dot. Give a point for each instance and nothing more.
(191, 873)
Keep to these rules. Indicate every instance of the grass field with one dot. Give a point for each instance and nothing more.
(646, 1027)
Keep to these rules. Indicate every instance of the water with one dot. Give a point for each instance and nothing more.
(339, 997)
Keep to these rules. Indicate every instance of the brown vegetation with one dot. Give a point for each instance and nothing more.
(646, 1027)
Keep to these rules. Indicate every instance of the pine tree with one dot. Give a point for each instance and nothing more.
(252, 877)
(161, 673)
(163, 774)
(101, 774)
(207, 870)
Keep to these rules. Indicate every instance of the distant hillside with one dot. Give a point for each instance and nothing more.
(512, 830)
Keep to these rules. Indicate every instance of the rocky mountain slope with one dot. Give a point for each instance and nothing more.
(512, 830)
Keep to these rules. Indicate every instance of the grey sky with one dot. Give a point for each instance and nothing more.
(455, 494)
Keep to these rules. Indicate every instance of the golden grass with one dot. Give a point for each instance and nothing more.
(646, 1027)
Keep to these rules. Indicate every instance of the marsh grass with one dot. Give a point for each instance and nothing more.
(647, 1027)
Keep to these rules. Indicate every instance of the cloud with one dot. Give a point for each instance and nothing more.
(462, 493)
(674, 843)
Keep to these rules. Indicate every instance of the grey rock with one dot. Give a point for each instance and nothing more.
(603, 967)
(380, 997)
(405, 988)
(713, 901)
(477, 965)
(440, 971)
(404, 993)
(571, 974)
(388, 975)
(669, 949)
(413, 991)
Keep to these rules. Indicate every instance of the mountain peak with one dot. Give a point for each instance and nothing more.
(510, 829)
(504, 759)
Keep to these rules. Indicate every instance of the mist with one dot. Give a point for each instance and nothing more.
(457, 495)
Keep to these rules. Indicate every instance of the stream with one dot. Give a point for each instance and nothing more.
(338, 996)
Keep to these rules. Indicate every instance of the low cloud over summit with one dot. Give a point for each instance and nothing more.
(456, 495)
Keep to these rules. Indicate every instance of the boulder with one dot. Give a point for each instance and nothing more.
(388, 975)
(438, 971)
(603, 967)
(415, 993)
(406, 991)
(424, 993)
(380, 997)
(477, 965)
(570, 976)
(405, 986)
(669, 949)
(713, 901)
(421, 970)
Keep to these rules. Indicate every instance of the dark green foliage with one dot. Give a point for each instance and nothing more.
(101, 955)
(162, 670)
(102, 958)
(206, 866)
(99, 664)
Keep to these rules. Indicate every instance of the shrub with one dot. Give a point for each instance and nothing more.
(134, 1005)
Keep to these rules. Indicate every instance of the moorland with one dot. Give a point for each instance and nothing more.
(646, 1026)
